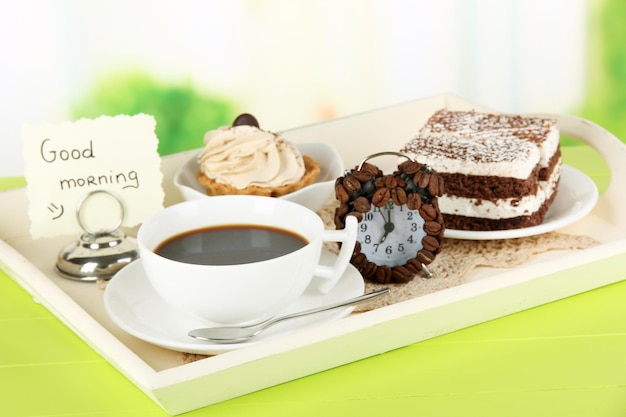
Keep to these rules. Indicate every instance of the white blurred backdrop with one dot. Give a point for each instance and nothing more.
(292, 62)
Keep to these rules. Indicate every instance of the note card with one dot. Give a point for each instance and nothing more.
(67, 161)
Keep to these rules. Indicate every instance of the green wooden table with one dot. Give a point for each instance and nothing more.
(566, 358)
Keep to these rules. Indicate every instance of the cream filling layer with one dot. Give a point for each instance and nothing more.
(505, 208)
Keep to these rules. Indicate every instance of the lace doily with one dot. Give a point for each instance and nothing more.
(459, 257)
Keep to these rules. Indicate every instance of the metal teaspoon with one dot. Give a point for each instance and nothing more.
(237, 334)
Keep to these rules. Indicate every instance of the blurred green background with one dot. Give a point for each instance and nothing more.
(605, 100)
(194, 74)
(184, 112)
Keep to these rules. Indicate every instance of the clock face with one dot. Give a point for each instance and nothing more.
(391, 235)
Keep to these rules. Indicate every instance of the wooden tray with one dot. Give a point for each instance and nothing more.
(179, 387)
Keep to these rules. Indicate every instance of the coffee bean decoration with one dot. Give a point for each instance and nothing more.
(246, 119)
(379, 201)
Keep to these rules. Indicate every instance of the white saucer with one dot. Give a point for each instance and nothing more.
(576, 197)
(133, 305)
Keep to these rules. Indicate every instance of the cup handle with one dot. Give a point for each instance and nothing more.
(347, 237)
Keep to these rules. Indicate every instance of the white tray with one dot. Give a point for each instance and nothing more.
(490, 293)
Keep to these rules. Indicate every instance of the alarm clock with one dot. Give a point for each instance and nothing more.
(400, 225)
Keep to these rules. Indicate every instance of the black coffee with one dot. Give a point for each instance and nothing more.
(229, 245)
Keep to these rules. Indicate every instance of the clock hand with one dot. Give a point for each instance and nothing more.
(389, 226)
(382, 214)
(388, 229)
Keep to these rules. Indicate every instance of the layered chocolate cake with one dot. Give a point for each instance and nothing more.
(500, 171)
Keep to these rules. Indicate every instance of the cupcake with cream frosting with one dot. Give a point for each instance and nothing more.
(244, 159)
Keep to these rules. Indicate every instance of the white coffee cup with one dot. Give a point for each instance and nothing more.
(244, 292)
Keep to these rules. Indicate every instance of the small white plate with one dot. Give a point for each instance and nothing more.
(576, 197)
(313, 196)
(133, 305)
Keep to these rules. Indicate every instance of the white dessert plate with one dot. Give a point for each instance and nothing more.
(134, 306)
(313, 196)
(576, 197)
